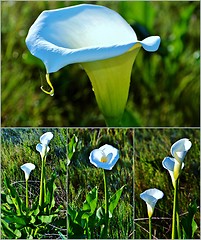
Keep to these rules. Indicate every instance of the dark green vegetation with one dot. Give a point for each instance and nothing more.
(83, 177)
(18, 146)
(165, 85)
(151, 147)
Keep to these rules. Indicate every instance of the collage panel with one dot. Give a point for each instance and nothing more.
(33, 183)
(167, 183)
(89, 55)
(100, 184)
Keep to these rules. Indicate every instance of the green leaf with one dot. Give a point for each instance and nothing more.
(71, 147)
(14, 197)
(90, 202)
(46, 219)
(189, 225)
(8, 232)
(113, 201)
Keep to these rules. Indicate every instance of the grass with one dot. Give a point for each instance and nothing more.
(165, 87)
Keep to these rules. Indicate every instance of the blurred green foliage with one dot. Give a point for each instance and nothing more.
(151, 147)
(164, 89)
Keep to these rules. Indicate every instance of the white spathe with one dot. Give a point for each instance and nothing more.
(104, 157)
(82, 33)
(151, 196)
(180, 148)
(27, 168)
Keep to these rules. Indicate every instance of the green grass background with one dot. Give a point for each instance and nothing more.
(165, 85)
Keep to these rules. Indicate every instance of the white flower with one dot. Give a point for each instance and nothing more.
(43, 147)
(169, 164)
(104, 157)
(100, 40)
(151, 196)
(180, 148)
(27, 168)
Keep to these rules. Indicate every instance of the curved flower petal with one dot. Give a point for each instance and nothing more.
(169, 164)
(27, 168)
(82, 33)
(151, 196)
(180, 148)
(42, 149)
(46, 138)
(105, 157)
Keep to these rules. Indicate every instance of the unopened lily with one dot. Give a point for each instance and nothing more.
(100, 40)
(151, 196)
(43, 147)
(27, 168)
(169, 164)
(104, 157)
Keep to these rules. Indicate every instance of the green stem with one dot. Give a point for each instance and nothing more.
(106, 204)
(27, 196)
(150, 234)
(174, 211)
(177, 213)
(41, 196)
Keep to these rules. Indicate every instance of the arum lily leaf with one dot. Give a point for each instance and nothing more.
(188, 223)
(114, 200)
(91, 201)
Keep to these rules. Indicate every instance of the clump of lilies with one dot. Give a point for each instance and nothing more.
(43, 149)
(97, 38)
(174, 165)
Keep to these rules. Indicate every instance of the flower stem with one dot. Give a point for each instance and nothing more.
(41, 196)
(175, 210)
(177, 213)
(150, 234)
(106, 204)
(27, 197)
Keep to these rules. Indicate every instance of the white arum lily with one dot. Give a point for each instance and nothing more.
(27, 168)
(169, 164)
(180, 148)
(104, 157)
(43, 147)
(100, 40)
(151, 197)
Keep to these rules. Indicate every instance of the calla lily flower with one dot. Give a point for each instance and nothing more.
(151, 196)
(27, 168)
(100, 40)
(180, 148)
(43, 147)
(104, 157)
(169, 164)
